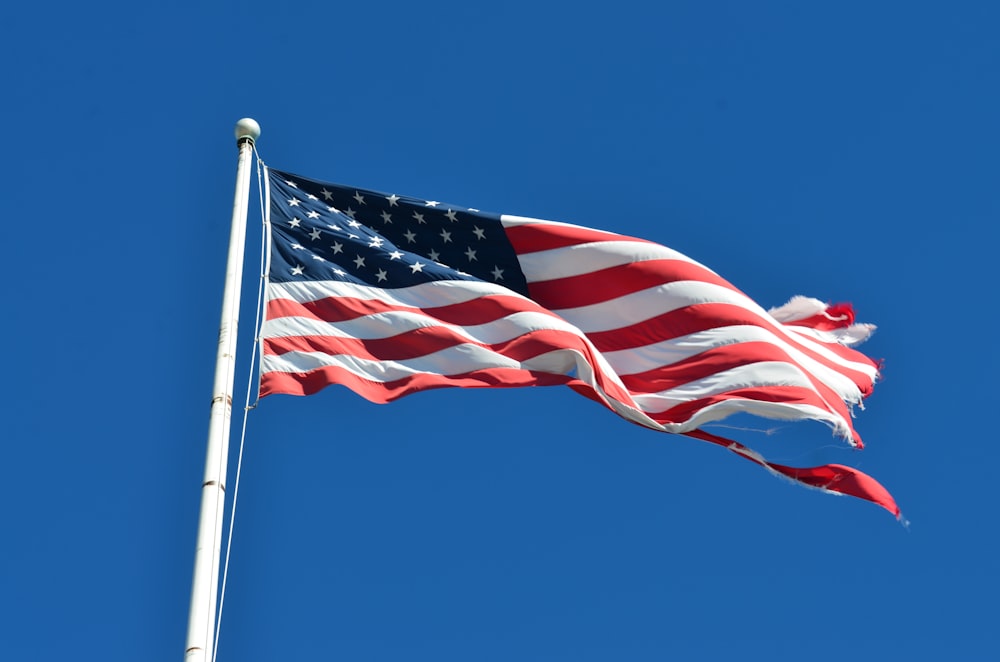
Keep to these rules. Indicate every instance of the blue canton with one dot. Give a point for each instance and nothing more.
(323, 231)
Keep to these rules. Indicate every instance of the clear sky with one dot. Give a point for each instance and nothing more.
(846, 151)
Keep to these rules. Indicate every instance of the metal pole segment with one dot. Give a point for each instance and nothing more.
(204, 587)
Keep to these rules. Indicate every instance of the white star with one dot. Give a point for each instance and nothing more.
(376, 242)
(395, 255)
(294, 223)
(313, 214)
(386, 217)
(410, 237)
(479, 232)
(291, 183)
(381, 275)
(360, 198)
(332, 209)
(297, 247)
(327, 195)
(417, 266)
(317, 257)
(350, 212)
(359, 262)
(471, 254)
(312, 197)
(353, 223)
(433, 203)
(420, 217)
(451, 216)
(337, 247)
(334, 227)
(471, 209)
(497, 273)
(293, 202)
(314, 235)
(392, 200)
(446, 236)
(297, 271)
(338, 271)
(434, 255)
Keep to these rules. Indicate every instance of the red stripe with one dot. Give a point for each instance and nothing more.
(828, 477)
(673, 324)
(618, 281)
(307, 383)
(421, 342)
(705, 364)
(542, 236)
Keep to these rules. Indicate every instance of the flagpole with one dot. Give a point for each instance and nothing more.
(204, 586)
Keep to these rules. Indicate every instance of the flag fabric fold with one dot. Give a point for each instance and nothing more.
(389, 295)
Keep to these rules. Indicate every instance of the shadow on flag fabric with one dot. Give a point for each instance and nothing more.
(389, 295)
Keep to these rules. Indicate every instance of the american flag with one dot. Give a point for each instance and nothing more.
(389, 295)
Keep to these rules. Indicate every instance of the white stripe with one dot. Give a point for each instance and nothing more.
(395, 322)
(424, 295)
(453, 360)
(511, 221)
(762, 374)
(589, 257)
(774, 410)
(646, 304)
(848, 336)
(797, 308)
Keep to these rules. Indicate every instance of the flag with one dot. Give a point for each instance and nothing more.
(389, 295)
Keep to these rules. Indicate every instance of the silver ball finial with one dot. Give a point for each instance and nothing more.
(247, 129)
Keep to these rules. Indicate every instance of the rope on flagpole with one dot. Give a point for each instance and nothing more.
(255, 356)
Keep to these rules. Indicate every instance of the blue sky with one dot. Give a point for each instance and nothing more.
(843, 152)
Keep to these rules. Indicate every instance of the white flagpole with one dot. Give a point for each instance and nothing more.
(204, 587)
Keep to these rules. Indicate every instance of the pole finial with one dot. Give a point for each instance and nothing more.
(247, 129)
